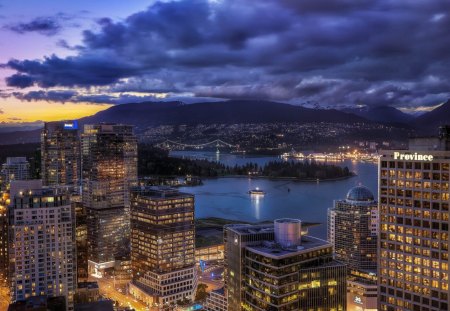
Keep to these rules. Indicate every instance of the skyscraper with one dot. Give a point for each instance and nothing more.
(15, 168)
(42, 243)
(162, 246)
(4, 202)
(352, 229)
(414, 223)
(109, 161)
(60, 153)
(275, 267)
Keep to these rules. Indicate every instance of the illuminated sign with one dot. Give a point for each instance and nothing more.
(413, 156)
(358, 300)
(73, 125)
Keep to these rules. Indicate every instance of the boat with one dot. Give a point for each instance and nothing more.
(256, 192)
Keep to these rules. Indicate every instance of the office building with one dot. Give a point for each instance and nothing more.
(40, 303)
(109, 161)
(362, 291)
(60, 153)
(4, 202)
(162, 247)
(15, 168)
(352, 229)
(216, 300)
(87, 292)
(275, 267)
(41, 243)
(81, 237)
(414, 223)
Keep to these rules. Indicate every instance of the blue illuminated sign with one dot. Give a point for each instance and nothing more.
(71, 125)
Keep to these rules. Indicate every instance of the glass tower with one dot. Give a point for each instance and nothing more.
(60, 154)
(109, 166)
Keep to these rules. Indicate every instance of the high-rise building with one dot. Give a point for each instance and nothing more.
(414, 223)
(15, 168)
(4, 202)
(60, 153)
(41, 243)
(275, 267)
(352, 229)
(81, 237)
(109, 162)
(162, 246)
(216, 300)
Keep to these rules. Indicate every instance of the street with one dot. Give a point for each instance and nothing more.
(106, 286)
(212, 276)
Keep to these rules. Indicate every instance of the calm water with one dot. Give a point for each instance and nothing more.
(228, 197)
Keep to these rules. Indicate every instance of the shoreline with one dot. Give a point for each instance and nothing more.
(283, 178)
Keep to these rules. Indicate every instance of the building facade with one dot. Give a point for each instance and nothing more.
(162, 247)
(81, 237)
(60, 154)
(15, 168)
(109, 162)
(274, 267)
(362, 291)
(414, 223)
(353, 230)
(4, 263)
(216, 301)
(41, 244)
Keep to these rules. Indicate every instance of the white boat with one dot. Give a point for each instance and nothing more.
(256, 192)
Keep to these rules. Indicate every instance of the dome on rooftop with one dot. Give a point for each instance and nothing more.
(360, 194)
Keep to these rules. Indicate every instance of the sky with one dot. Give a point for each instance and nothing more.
(64, 59)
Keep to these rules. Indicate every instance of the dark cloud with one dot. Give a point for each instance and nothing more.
(55, 96)
(20, 80)
(63, 96)
(375, 52)
(48, 26)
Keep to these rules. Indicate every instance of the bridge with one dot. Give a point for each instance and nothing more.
(218, 143)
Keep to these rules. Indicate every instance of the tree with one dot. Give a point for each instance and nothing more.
(201, 293)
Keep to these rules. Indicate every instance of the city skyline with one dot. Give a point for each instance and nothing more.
(69, 60)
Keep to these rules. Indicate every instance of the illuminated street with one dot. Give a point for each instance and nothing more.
(125, 300)
(212, 276)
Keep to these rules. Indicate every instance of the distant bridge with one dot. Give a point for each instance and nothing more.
(218, 143)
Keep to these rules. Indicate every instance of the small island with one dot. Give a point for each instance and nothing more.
(156, 162)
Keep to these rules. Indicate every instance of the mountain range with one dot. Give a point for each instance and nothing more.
(382, 114)
(146, 114)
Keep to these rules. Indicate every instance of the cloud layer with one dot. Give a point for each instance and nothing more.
(334, 53)
(49, 25)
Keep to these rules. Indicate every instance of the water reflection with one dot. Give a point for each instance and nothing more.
(256, 205)
(309, 201)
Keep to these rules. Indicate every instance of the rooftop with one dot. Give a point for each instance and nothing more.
(103, 305)
(159, 192)
(88, 285)
(220, 291)
(360, 194)
(250, 229)
(274, 250)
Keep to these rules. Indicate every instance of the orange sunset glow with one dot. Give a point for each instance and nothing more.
(16, 111)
